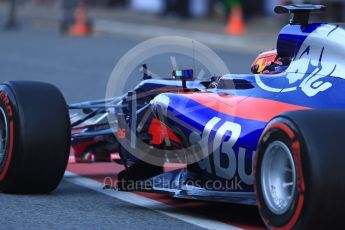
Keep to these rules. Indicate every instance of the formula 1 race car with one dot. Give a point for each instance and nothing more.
(272, 138)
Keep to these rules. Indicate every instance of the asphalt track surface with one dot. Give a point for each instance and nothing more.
(80, 67)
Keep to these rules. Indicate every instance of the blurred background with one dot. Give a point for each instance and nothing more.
(75, 44)
(215, 10)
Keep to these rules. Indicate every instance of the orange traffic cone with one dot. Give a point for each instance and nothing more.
(235, 25)
(81, 26)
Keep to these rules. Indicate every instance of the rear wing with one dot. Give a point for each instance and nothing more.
(301, 13)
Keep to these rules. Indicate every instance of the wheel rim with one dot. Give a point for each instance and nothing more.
(3, 137)
(278, 177)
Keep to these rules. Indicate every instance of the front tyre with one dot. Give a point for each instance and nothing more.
(34, 137)
(299, 171)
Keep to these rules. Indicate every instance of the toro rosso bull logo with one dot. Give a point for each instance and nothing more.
(320, 56)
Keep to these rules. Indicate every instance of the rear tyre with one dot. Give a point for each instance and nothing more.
(299, 171)
(34, 137)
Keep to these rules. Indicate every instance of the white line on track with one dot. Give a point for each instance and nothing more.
(148, 203)
(217, 40)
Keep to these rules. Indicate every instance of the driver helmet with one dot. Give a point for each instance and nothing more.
(270, 63)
